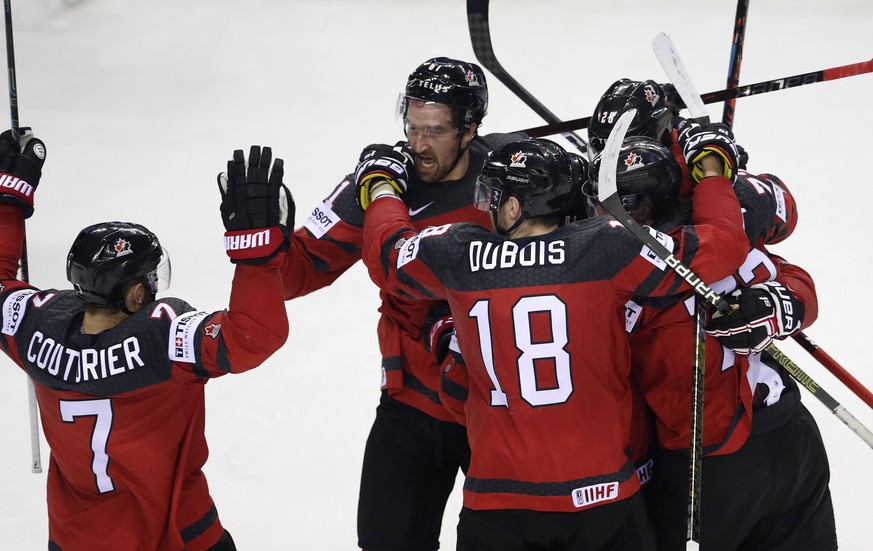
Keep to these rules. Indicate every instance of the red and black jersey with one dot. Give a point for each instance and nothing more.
(662, 343)
(662, 334)
(330, 241)
(123, 410)
(540, 324)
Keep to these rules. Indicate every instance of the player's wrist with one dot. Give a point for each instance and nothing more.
(382, 188)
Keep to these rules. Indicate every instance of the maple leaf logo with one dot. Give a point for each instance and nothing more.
(633, 161)
(471, 78)
(518, 159)
(122, 247)
(651, 96)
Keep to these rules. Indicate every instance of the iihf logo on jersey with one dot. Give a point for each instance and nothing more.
(651, 96)
(518, 159)
(122, 247)
(212, 330)
(633, 161)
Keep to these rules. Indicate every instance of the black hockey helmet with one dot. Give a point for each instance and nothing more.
(653, 119)
(578, 205)
(538, 172)
(106, 256)
(458, 84)
(645, 168)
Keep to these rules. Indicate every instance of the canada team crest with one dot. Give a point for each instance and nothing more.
(651, 96)
(471, 78)
(122, 247)
(633, 161)
(518, 159)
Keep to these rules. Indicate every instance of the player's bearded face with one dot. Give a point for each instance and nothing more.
(435, 143)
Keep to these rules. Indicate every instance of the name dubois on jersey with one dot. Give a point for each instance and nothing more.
(87, 364)
(486, 255)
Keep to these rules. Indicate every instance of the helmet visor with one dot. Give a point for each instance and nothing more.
(159, 278)
(488, 194)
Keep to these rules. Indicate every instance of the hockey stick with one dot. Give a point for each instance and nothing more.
(728, 118)
(679, 76)
(36, 460)
(673, 66)
(607, 194)
(480, 36)
(763, 87)
(675, 69)
(736, 59)
(831, 364)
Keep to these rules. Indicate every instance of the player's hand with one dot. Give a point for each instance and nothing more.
(20, 168)
(437, 332)
(256, 207)
(700, 141)
(758, 314)
(382, 163)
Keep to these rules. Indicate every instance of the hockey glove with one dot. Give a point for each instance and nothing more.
(758, 314)
(256, 207)
(382, 163)
(20, 168)
(438, 329)
(699, 141)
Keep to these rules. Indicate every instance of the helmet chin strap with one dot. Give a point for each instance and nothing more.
(510, 229)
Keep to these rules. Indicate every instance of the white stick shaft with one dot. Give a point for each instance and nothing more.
(36, 460)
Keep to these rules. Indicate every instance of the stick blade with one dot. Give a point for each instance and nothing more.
(606, 186)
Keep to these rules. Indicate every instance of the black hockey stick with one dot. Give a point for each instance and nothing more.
(480, 36)
(675, 69)
(608, 197)
(669, 58)
(607, 194)
(736, 59)
(36, 460)
(784, 83)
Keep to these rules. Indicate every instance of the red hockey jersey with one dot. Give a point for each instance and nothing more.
(123, 410)
(540, 325)
(330, 241)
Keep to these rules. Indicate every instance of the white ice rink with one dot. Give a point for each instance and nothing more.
(141, 103)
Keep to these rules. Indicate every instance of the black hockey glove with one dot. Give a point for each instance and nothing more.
(698, 141)
(438, 329)
(20, 169)
(382, 163)
(256, 207)
(759, 314)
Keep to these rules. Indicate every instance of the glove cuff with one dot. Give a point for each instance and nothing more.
(15, 190)
(254, 245)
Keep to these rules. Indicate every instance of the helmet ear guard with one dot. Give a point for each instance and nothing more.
(104, 257)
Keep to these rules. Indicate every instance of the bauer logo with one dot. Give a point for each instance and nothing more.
(589, 495)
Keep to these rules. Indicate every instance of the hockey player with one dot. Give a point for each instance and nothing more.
(746, 503)
(120, 375)
(538, 312)
(415, 448)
